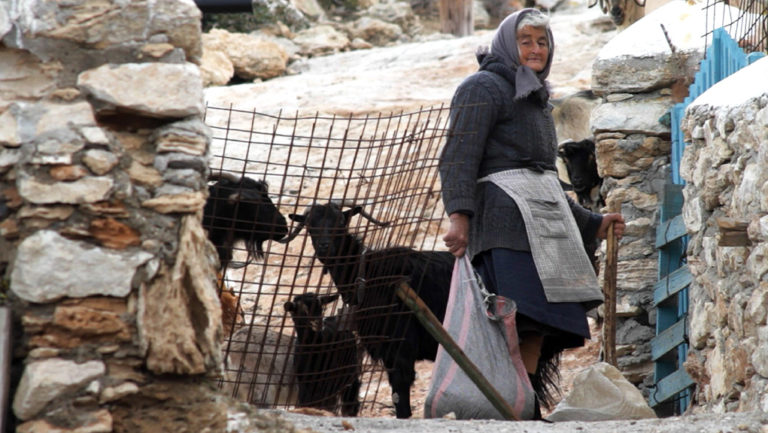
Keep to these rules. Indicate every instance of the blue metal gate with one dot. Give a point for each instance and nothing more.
(672, 385)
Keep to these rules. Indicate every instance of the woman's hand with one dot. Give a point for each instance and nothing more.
(618, 225)
(458, 234)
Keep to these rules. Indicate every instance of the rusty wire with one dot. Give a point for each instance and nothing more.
(387, 163)
(745, 20)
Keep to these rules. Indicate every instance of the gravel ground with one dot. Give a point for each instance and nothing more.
(752, 422)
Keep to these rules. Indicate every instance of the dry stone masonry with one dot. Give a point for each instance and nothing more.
(640, 79)
(725, 213)
(640, 76)
(103, 161)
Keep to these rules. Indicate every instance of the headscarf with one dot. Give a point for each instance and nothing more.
(504, 48)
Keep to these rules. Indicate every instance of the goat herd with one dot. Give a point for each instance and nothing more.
(321, 367)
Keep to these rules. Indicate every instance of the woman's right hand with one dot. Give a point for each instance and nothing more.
(458, 234)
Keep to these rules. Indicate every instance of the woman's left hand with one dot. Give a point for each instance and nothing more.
(618, 225)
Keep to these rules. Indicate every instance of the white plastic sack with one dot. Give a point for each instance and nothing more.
(601, 393)
(489, 340)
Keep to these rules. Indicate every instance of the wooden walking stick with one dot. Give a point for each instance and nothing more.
(434, 327)
(609, 290)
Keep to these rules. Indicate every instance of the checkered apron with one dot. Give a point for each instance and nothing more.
(555, 239)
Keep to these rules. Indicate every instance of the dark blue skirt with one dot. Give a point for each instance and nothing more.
(513, 274)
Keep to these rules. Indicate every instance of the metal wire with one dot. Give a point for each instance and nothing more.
(745, 20)
(386, 162)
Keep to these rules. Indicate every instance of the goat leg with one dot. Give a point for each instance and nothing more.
(350, 399)
(400, 379)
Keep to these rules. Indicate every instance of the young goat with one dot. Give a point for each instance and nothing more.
(367, 279)
(326, 362)
(581, 163)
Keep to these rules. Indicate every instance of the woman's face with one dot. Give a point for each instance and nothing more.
(533, 46)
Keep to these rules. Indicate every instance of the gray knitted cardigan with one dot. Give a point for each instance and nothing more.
(491, 132)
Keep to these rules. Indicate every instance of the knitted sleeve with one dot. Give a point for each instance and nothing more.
(473, 115)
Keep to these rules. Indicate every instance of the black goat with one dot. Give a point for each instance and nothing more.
(239, 208)
(581, 163)
(367, 280)
(325, 359)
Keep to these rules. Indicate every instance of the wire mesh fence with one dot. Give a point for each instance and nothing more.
(284, 350)
(745, 20)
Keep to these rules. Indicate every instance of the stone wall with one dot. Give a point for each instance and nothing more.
(103, 161)
(726, 216)
(632, 137)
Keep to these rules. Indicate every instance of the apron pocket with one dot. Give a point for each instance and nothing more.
(549, 221)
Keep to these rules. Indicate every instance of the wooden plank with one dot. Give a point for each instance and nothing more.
(670, 387)
(671, 284)
(670, 230)
(669, 339)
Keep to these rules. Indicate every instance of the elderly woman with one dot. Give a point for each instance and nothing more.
(507, 209)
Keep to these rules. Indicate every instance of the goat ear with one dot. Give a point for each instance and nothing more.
(297, 217)
(289, 306)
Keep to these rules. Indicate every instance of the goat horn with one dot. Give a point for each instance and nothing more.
(296, 230)
(219, 174)
(369, 217)
(292, 235)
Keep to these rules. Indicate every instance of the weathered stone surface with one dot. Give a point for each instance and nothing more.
(632, 116)
(725, 184)
(310, 8)
(322, 39)
(396, 12)
(179, 22)
(102, 25)
(186, 177)
(281, 11)
(144, 175)
(59, 213)
(82, 320)
(114, 234)
(179, 312)
(376, 31)
(93, 422)
(639, 58)
(88, 189)
(252, 57)
(44, 381)
(9, 135)
(5, 20)
(112, 393)
(188, 202)
(215, 68)
(9, 158)
(191, 137)
(65, 173)
(25, 77)
(100, 162)
(620, 157)
(69, 269)
(94, 135)
(175, 90)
